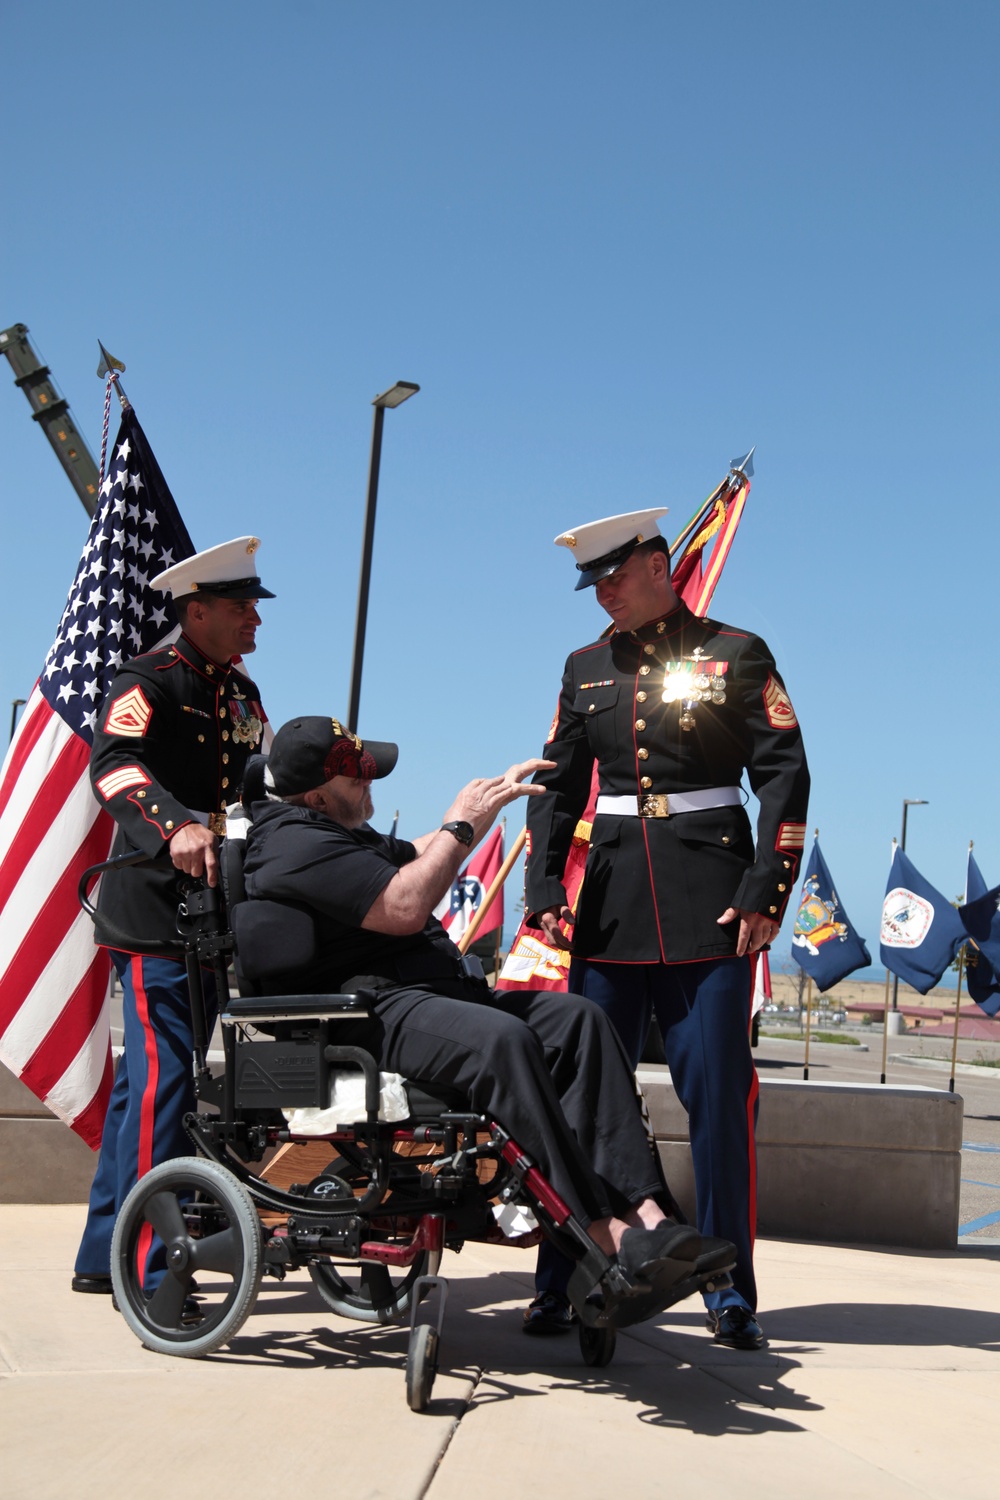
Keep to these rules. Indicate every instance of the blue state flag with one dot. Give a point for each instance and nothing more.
(921, 930)
(823, 941)
(982, 923)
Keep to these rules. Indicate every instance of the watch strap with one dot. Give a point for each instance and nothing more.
(462, 831)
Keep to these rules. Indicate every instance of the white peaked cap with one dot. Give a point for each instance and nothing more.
(229, 570)
(602, 546)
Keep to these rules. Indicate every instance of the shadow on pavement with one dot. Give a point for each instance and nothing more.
(901, 1324)
(702, 1400)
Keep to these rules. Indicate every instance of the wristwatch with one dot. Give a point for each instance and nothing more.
(464, 832)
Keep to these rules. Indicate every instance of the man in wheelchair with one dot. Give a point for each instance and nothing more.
(547, 1067)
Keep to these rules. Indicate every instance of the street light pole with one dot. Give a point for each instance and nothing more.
(15, 705)
(395, 396)
(908, 802)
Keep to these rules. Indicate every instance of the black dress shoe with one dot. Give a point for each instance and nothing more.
(549, 1313)
(101, 1284)
(736, 1327)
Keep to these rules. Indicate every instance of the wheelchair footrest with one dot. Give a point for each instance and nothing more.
(611, 1307)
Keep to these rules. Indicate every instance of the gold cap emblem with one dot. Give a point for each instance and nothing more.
(252, 545)
(345, 734)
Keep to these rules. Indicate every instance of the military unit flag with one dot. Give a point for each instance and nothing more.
(54, 1019)
(823, 941)
(456, 910)
(982, 922)
(921, 930)
(532, 964)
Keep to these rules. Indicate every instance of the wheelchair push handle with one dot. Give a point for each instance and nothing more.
(119, 862)
(129, 942)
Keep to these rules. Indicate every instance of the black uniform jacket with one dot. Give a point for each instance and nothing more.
(172, 738)
(302, 858)
(654, 887)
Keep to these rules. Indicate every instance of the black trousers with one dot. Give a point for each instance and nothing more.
(547, 1067)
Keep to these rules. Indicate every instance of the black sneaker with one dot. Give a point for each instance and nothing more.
(735, 1327)
(644, 1250)
(549, 1313)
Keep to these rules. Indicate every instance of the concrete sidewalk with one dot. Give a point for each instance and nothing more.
(880, 1379)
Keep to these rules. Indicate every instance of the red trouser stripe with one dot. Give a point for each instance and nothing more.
(147, 1114)
(751, 1107)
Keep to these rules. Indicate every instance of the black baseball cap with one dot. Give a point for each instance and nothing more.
(307, 752)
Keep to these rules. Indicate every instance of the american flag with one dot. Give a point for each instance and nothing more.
(54, 1019)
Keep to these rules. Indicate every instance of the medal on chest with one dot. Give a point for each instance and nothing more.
(694, 680)
(246, 717)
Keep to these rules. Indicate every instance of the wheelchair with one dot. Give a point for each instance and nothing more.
(371, 1226)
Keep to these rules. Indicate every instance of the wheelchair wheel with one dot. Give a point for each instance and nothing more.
(597, 1345)
(209, 1228)
(369, 1292)
(421, 1366)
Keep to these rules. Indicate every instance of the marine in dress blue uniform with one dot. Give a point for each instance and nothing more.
(677, 897)
(170, 745)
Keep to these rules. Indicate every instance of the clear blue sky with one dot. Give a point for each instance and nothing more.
(615, 245)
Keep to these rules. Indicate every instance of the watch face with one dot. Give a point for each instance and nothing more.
(464, 832)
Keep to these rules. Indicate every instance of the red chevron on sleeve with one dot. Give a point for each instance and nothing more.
(791, 838)
(129, 715)
(778, 706)
(119, 781)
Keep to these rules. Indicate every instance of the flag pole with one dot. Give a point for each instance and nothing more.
(885, 1025)
(468, 936)
(809, 1006)
(958, 993)
(699, 517)
(499, 926)
(885, 1005)
(958, 1000)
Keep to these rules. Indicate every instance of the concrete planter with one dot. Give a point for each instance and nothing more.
(837, 1161)
(41, 1161)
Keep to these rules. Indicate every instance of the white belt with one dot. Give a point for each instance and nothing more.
(668, 804)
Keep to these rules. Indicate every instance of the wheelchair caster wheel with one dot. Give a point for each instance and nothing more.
(206, 1223)
(421, 1366)
(597, 1345)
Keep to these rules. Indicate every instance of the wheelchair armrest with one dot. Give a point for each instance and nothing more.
(253, 1008)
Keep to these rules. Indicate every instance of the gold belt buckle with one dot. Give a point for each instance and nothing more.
(217, 824)
(654, 805)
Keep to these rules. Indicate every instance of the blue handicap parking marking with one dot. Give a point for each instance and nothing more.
(976, 1224)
